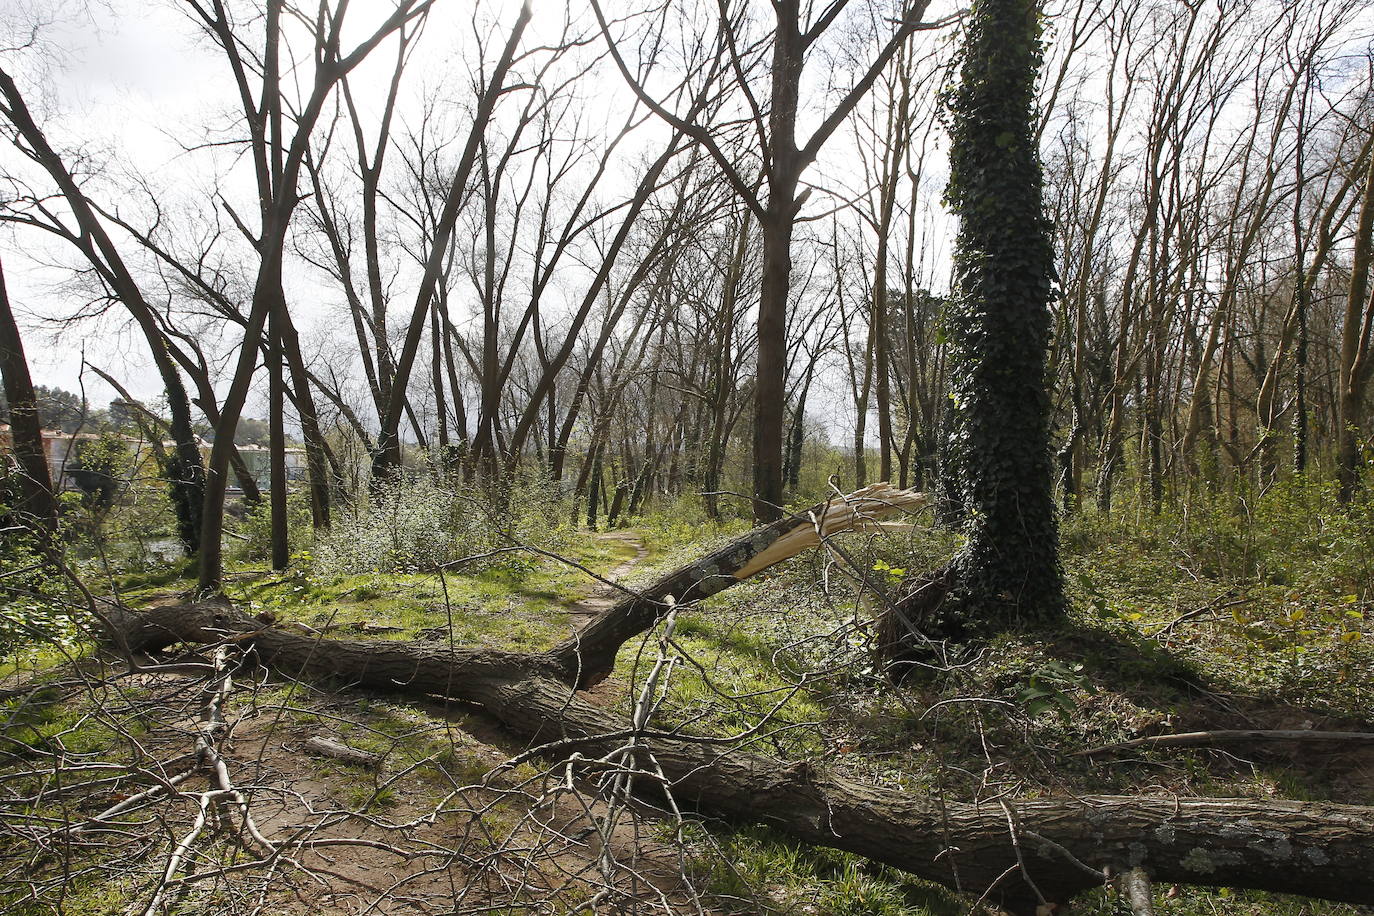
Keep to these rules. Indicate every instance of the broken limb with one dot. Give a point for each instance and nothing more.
(1237, 736)
(590, 655)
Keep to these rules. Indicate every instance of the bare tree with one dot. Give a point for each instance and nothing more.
(782, 160)
(278, 159)
(1357, 337)
(89, 235)
(388, 456)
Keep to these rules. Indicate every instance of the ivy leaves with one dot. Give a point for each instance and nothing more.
(997, 446)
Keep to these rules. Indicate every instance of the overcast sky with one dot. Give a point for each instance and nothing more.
(135, 84)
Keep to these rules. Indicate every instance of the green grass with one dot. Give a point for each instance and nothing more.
(1279, 588)
(82, 897)
(522, 610)
(1237, 609)
(84, 725)
(682, 531)
(41, 662)
(770, 874)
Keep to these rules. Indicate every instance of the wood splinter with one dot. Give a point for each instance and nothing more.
(1135, 886)
(327, 747)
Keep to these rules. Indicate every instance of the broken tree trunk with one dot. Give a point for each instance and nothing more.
(590, 655)
(1013, 852)
(585, 659)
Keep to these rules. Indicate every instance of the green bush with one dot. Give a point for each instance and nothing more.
(1295, 534)
(120, 517)
(416, 523)
(31, 609)
(254, 529)
(101, 468)
(136, 533)
(32, 612)
(1290, 572)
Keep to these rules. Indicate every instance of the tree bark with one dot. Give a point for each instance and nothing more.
(1015, 852)
(316, 463)
(776, 225)
(36, 503)
(276, 420)
(998, 446)
(1355, 339)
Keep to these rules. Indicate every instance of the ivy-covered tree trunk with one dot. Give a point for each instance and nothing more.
(997, 450)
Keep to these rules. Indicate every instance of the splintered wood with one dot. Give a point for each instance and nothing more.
(862, 510)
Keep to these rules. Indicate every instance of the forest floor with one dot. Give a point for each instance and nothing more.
(1165, 637)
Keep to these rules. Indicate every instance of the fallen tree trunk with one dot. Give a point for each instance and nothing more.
(1013, 851)
(1236, 736)
(589, 656)
(1005, 848)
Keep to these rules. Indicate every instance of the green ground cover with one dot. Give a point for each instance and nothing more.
(1247, 612)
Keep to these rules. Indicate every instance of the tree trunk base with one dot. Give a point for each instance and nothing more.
(910, 635)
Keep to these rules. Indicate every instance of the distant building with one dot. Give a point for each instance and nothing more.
(258, 460)
(60, 450)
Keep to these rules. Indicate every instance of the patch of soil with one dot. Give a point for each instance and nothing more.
(433, 830)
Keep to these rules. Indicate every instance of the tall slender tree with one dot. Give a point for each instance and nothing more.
(784, 157)
(1004, 276)
(1357, 329)
(278, 159)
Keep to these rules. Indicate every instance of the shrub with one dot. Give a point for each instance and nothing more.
(255, 527)
(100, 468)
(1278, 585)
(1295, 534)
(31, 609)
(416, 522)
(120, 515)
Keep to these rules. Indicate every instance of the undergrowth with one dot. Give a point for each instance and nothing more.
(1236, 609)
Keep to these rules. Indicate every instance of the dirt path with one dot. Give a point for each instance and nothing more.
(584, 609)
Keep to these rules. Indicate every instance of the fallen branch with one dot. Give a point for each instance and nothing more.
(590, 655)
(1220, 603)
(1135, 886)
(1233, 736)
(330, 748)
(209, 728)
